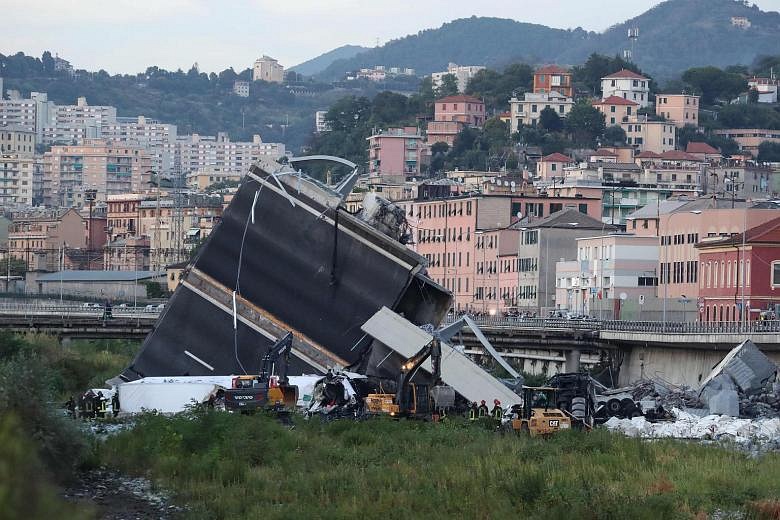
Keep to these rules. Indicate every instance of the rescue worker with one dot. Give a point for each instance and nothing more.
(473, 411)
(497, 412)
(100, 405)
(483, 411)
(89, 405)
(70, 405)
(115, 403)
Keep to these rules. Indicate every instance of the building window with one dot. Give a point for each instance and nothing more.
(776, 274)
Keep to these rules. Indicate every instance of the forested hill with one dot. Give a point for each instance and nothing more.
(321, 62)
(674, 36)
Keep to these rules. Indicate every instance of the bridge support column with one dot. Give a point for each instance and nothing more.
(572, 360)
(65, 341)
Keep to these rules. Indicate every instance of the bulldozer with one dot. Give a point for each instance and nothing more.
(538, 415)
(266, 390)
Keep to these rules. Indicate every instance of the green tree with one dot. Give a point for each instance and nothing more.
(586, 123)
(753, 95)
(589, 74)
(389, 108)
(714, 84)
(495, 135)
(769, 152)
(689, 134)
(549, 120)
(496, 88)
(448, 87)
(17, 267)
(614, 135)
(47, 64)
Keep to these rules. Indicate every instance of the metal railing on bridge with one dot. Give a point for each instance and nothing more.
(694, 327)
(87, 311)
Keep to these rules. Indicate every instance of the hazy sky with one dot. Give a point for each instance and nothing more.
(129, 35)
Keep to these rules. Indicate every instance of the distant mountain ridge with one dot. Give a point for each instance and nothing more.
(323, 61)
(673, 36)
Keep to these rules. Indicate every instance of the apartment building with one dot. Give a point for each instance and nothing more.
(395, 153)
(84, 114)
(220, 154)
(158, 139)
(241, 88)
(95, 164)
(16, 180)
(464, 109)
(617, 271)
(680, 109)
(267, 69)
(628, 85)
(552, 78)
(654, 136)
(462, 73)
(16, 140)
(616, 109)
(743, 268)
(33, 114)
(38, 237)
(526, 111)
(551, 166)
(749, 139)
(767, 88)
(545, 242)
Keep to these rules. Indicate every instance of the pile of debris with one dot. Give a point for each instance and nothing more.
(742, 384)
(761, 432)
(339, 395)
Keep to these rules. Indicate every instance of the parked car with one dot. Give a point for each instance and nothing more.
(90, 305)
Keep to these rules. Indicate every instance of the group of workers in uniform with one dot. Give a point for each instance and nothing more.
(91, 405)
(482, 411)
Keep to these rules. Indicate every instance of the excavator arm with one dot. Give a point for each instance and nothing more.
(278, 351)
(409, 368)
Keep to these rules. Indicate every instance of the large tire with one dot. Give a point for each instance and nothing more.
(613, 407)
(579, 407)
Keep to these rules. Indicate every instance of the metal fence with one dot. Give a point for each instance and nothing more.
(757, 327)
(45, 309)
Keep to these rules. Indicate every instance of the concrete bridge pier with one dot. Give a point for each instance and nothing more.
(572, 360)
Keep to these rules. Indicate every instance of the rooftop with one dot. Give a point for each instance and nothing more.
(567, 218)
(763, 233)
(461, 98)
(624, 73)
(701, 148)
(552, 69)
(679, 155)
(616, 100)
(602, 152)
(99, 276)
(556, 157)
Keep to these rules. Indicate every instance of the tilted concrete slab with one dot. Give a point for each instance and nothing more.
(457, 370)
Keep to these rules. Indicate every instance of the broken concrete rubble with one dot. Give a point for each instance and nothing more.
(746, 366)
(710, 427)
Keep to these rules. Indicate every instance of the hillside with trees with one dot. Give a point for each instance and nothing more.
(674, 36)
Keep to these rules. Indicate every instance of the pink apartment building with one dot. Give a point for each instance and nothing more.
(461, 108)
(395, 152)
(680, 109)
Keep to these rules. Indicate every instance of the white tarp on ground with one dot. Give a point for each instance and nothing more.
(173, 394)
(688, 426)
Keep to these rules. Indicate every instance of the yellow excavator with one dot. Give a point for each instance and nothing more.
(250, 393)
(410, 399)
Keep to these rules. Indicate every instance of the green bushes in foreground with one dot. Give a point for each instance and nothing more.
(224, 465)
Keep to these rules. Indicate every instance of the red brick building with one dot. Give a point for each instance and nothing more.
(727, 267)
(552, 78)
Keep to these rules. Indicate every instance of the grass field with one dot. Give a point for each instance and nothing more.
(229, 466)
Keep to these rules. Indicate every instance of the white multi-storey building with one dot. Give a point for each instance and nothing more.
(241, 88)
(16, 179)
(83, 114)
(159, 139)
(219, 154)
(462, 73)
(525, 112)
(31, 114)
(628, 85)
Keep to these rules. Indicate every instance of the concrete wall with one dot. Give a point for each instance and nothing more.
(114, 291)
(678, 366)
